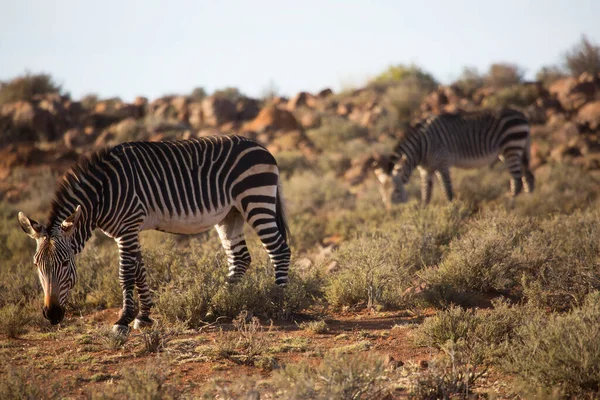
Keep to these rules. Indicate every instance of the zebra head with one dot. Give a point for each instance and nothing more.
(55, 261)
(390, 177)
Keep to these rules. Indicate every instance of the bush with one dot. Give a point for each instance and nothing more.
(503, 74)
(469, 81)
(400, 73)
(229, 93)
(25, 87)
(480, 261)
(334, 132)
(14, 319)
(369, 275)
(584, 57)
(561, 260)
(518, 96)
(403, 100)
(147, 383)
(17, 383)
(338, 376)
(560, 350)
(548, 75)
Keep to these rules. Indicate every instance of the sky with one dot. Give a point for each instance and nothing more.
(151, 48)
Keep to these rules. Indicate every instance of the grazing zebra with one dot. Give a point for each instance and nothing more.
(182, 187)
(467, 140)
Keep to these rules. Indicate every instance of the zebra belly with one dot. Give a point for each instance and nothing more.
(187, 224)
(476, 162)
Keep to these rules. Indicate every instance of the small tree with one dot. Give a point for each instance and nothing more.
(230, 93)
(504, 74)
(549, 74)
(26, 86)
(469, 80)
(400, 72)
(198, 94)
(583, 57)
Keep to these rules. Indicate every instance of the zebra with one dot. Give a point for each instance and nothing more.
(183, 187)
(466, 140)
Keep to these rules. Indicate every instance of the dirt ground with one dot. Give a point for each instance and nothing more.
(78, 360)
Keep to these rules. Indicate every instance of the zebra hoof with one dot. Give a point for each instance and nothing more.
(142, 322)
(121, 329)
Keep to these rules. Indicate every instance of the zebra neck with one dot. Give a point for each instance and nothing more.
(67, 198)
(406, 167)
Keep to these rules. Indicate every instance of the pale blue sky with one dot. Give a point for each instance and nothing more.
(144, 47)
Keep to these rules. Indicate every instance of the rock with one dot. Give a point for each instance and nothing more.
(571, 93)
(390, 362)
(247, 109)
(310, 120)
(589, 116)
(218, 110)
(302, 99)
(332, 267)
(76, 138)
(303, 264)
(344, 109)
(273, 118)
(565, 133)
(324, 93)
(288, 141)
(561, 151)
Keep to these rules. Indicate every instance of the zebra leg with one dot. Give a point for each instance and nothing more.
(528, 178)
(264, 223)
(426, 185)
(129, 250)
(443, 175)
(231, 232)
(143, 318)
(515, 167)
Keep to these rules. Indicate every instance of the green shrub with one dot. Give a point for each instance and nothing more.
(14, 319)
(519, 96)
(560, 188)
(561, 260)
(481, 260)
(402, 101)
(583, 57)
(338, 376)
(334, 132)
(147, 383)
(560, 350)
(26, 86)
(548, 75)
(25, 383)
(503, 74)
(401, 73)
(469, 81)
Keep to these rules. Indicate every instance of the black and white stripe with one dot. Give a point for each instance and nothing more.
(467, 140)
(181, 187)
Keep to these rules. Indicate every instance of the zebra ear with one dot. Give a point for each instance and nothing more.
(68, 225)
(31, 227)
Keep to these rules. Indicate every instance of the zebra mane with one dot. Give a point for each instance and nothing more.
(70, 183)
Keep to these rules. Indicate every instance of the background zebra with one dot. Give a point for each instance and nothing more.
(179, 187)
(468, 140)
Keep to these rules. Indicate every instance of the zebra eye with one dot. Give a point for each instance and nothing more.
(65, 263)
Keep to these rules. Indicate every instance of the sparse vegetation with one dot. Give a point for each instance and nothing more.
(583, 57)
(25, 87)
(486, 288)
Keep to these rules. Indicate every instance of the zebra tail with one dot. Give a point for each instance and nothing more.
(281, 217)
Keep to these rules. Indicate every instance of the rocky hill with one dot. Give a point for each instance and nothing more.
(53, 130)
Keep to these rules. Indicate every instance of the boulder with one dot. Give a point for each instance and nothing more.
(572, 93)
(218, 110)
(272, 117)
(589, 116)
(246, 109)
